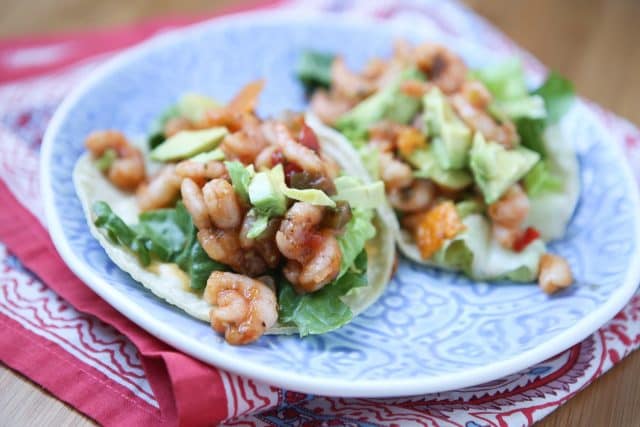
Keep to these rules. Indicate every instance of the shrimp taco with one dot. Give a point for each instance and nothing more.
(477, 171)
(255, 226)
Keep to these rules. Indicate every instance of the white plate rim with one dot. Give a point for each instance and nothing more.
(309, 384)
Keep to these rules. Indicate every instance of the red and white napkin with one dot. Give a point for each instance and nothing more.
(60, 334)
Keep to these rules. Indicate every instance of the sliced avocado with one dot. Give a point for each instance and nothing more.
(240, 177)
(451, 138)
(495, 168)
(359, 195)
(208, 156)
(387, 104)
(309, 195)
(186, 144)
(424, 159)
(265, 192)
(193, 106)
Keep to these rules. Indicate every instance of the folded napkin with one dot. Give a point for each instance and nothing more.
(60, 334)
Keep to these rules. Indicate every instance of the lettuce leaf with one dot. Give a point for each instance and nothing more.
(314, 69)
(540, 180)
(357, 232)
(163, 235)
(240, 178)
(324, 310)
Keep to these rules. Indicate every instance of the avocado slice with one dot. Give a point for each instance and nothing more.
(188, 143)
(265, 192)
(496, 168)
(358, 194)
(387, 104)
(451, 138)
(424, 159)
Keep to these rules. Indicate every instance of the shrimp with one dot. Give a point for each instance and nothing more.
(417, 197)
(304, 157)
(296, 229)
(244, 308)
(555, 273)
(175, 125)
(476, 93)
(224, 246)
(323, 266)
(268, 157)
(222, 204)
(348, 84)
(161, 191)
(511, 209)
(445, 69)
(127, 171)
(481, 121)
(393, 172)
(201, 172)
(241, 146)
(194, 202)
(327, 107)
(416, 88)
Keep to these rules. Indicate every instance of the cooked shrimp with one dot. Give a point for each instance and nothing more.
(244, 308)
(194, 202)
(240, 146)
(302, 156)
(504, 235)
(347, 83)
(201, 172)
(323, 266)
(415, 88)
(328, 108)
(511, 209)
(224, 246)
(414, 198)
(222, 204)
(175, 125)
(481, 121)
(268, 157)
(445, 69)
(161, 191)
(393, 172)
(221, 117)
(476, 93)
(127, 169)
(296, 229)
(555, 273)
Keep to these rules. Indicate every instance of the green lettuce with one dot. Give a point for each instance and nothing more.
(163, 235)
(240, 178)
(314, 69)
(321, 311)
(357, 232)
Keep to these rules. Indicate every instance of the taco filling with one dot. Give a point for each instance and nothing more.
(247, 223)
(473, 163)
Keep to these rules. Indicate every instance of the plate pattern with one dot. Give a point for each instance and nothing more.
(429, 323)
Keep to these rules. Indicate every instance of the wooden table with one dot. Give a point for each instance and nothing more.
(593, 42)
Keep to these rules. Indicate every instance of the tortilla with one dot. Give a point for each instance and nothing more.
(549, 213)
(168, 282)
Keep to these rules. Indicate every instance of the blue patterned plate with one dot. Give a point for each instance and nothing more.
(431, 331)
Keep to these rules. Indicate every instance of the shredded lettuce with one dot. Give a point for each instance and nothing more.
(259, 225)
(314, 69)
(321, 311)
(163, 235)
(357, 232)
(540, 180)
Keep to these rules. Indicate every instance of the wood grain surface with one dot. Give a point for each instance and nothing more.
(593, 42)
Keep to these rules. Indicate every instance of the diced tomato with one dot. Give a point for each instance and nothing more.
(308, 138)
(289, 170)
(277, 157)
(529, 235)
